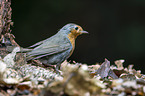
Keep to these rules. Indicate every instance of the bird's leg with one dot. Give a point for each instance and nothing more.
(49, 65)
(57, 68)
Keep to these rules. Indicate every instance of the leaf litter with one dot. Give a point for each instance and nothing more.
(18, 77)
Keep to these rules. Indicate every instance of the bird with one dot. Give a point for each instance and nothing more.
(57, 48)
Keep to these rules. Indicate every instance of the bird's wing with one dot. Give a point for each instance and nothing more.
(49, 48)
(41, 42)
(36, 44)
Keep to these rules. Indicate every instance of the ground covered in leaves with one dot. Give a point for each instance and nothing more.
(18, 77)
(21, 78)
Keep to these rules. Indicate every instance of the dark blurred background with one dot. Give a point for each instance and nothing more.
(116, 27)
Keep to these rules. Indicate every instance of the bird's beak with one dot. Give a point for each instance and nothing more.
(84, 32)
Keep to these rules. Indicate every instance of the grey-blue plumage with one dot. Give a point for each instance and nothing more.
(56, 49)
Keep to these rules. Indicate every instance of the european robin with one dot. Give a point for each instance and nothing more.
(56, 49)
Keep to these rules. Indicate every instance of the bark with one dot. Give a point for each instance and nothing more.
(6, 38)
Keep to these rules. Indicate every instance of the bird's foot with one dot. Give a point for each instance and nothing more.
(57, 69)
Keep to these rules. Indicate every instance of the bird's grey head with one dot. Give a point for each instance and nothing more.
(67, 28)
(71, 27)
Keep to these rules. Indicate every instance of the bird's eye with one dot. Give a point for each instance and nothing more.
(76, 28)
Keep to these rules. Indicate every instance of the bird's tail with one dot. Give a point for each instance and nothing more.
(24, 50)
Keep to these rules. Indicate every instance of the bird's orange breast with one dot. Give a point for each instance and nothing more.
(72, 38)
